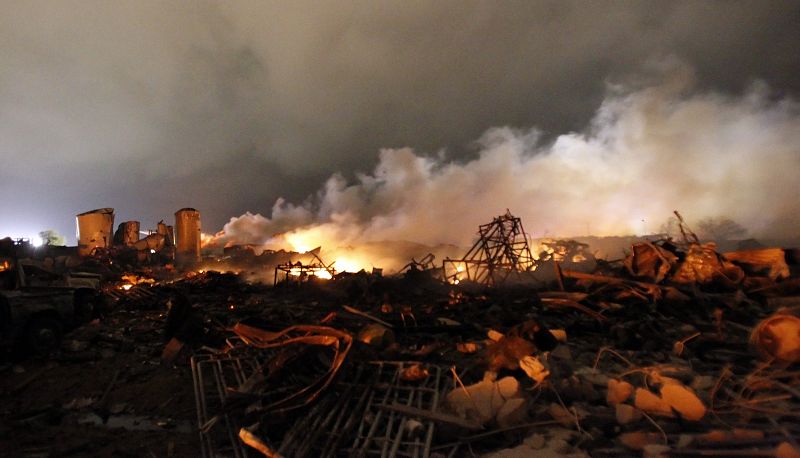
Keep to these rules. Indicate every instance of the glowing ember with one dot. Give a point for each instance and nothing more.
(131, 280)
(135, 279)
(456, 279)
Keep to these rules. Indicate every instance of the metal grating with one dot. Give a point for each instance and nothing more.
(349, 420)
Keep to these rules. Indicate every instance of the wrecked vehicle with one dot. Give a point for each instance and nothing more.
(37, 305)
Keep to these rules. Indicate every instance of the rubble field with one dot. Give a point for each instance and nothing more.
(675, 350)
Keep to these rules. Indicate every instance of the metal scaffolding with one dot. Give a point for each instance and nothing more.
(302, 272)
(501, 251)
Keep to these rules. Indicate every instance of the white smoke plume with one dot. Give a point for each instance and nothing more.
(650, 149)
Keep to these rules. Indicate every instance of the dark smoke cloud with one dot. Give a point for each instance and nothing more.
(151, 106)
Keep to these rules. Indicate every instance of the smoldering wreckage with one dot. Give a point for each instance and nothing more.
(129, 346)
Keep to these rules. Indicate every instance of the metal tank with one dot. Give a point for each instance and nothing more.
(187, 235)
(127, 233)
(95, 230)
(167, 231)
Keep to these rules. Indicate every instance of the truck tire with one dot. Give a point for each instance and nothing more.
(87, 307)
(43, 335)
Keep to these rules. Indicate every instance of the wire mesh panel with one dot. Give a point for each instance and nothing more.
(351, 419)
(215, 377)
(386, 433)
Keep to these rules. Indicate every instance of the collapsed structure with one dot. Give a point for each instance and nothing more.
(500, 252)
(298, 271)
(677, 349)
(166, 244)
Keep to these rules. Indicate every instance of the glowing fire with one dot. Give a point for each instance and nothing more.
(319, 273)
(347, 265)
(551, 249)
(324, 271)
(302, 242)
(459, 269)
(206, 239)
(4, 266)
(307, 241)
(131, 280)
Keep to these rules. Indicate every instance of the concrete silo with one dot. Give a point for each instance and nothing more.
(127, 233)
(95, 230)
(187, 235)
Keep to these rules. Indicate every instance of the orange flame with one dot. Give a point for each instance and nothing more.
(131, 280)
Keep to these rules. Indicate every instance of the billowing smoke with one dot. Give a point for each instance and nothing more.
(151, 106)
(650, 149)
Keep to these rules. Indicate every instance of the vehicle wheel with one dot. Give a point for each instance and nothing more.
(43, 335)
(86, 307)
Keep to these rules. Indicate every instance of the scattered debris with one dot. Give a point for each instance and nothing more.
(676, 349)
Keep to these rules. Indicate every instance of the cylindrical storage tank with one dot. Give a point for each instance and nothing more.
(127, 233)
(187, 235)
(167, 232)
(95, 230)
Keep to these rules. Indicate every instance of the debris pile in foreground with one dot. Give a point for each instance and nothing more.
(676, 350)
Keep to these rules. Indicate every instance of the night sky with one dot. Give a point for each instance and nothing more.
(150, 106)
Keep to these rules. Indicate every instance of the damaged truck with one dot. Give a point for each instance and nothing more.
(37, 305)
